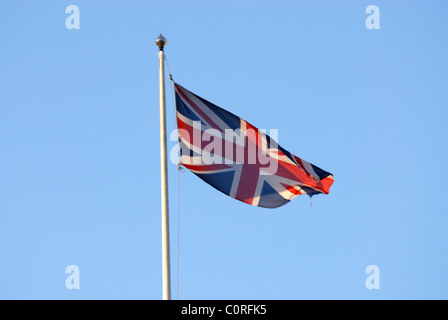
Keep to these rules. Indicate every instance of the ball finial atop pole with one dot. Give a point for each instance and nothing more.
(161, 42)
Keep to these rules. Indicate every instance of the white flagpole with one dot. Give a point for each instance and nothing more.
(166, 275)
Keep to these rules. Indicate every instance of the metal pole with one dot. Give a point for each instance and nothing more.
(166, 273)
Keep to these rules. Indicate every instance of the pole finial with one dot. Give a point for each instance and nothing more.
(161, 42)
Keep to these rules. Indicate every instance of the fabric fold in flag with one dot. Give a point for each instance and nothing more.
(239, 159)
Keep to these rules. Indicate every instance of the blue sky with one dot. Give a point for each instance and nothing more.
(79, 148)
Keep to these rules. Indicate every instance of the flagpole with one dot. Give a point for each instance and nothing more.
(166, 275)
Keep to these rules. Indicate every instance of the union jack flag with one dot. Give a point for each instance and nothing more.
(238, 159)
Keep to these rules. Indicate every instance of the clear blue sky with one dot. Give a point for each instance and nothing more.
(79, 148)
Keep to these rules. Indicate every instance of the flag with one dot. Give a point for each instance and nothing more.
(239, 159)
